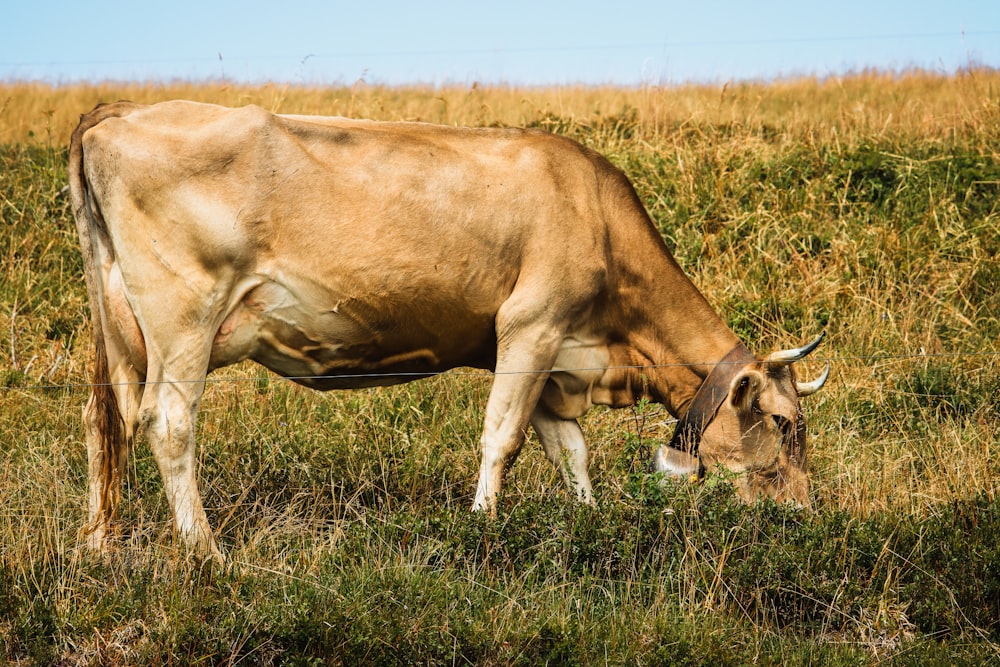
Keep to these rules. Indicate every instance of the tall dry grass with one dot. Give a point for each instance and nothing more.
(832, 109)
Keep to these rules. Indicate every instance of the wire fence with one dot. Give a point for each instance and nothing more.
(526, 50)
(629, 63)
(461, 372)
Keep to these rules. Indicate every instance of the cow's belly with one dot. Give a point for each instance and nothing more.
(332, 347)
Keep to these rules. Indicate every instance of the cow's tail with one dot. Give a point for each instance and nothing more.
(102, 413)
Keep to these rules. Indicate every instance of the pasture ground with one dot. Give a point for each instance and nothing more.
(868, 206)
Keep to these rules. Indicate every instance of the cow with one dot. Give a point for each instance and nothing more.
(346, 253)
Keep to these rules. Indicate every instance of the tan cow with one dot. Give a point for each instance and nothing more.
(346, 253)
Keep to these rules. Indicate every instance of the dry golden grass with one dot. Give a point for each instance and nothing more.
(832, 109)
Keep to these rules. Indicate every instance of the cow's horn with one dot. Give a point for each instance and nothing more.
(807, 388)
(785, 357)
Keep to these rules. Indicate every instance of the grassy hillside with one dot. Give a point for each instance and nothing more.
(868, 207)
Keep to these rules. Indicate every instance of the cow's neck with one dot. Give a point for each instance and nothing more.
(675, 338)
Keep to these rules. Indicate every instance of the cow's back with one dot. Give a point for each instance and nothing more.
(300, 183)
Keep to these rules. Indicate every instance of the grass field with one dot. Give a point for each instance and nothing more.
(867, 206)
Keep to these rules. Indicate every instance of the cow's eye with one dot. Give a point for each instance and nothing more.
(784, 425)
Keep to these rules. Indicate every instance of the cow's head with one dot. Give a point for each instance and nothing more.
(757, 431)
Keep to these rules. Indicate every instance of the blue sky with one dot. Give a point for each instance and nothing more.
(624, 42)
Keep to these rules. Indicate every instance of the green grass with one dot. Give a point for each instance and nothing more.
(867, 207)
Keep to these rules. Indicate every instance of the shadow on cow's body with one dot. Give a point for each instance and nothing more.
(345, 253)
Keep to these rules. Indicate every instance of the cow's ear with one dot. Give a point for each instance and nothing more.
(745, 390)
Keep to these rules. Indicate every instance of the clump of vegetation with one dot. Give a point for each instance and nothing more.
(865, 206)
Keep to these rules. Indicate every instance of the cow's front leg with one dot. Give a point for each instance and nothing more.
(564, 445)
(511, 401)
(528, 345)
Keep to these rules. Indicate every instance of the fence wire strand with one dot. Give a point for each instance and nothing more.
(482, 373)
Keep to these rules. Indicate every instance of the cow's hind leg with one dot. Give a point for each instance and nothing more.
(167, 416)
(565, 446)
